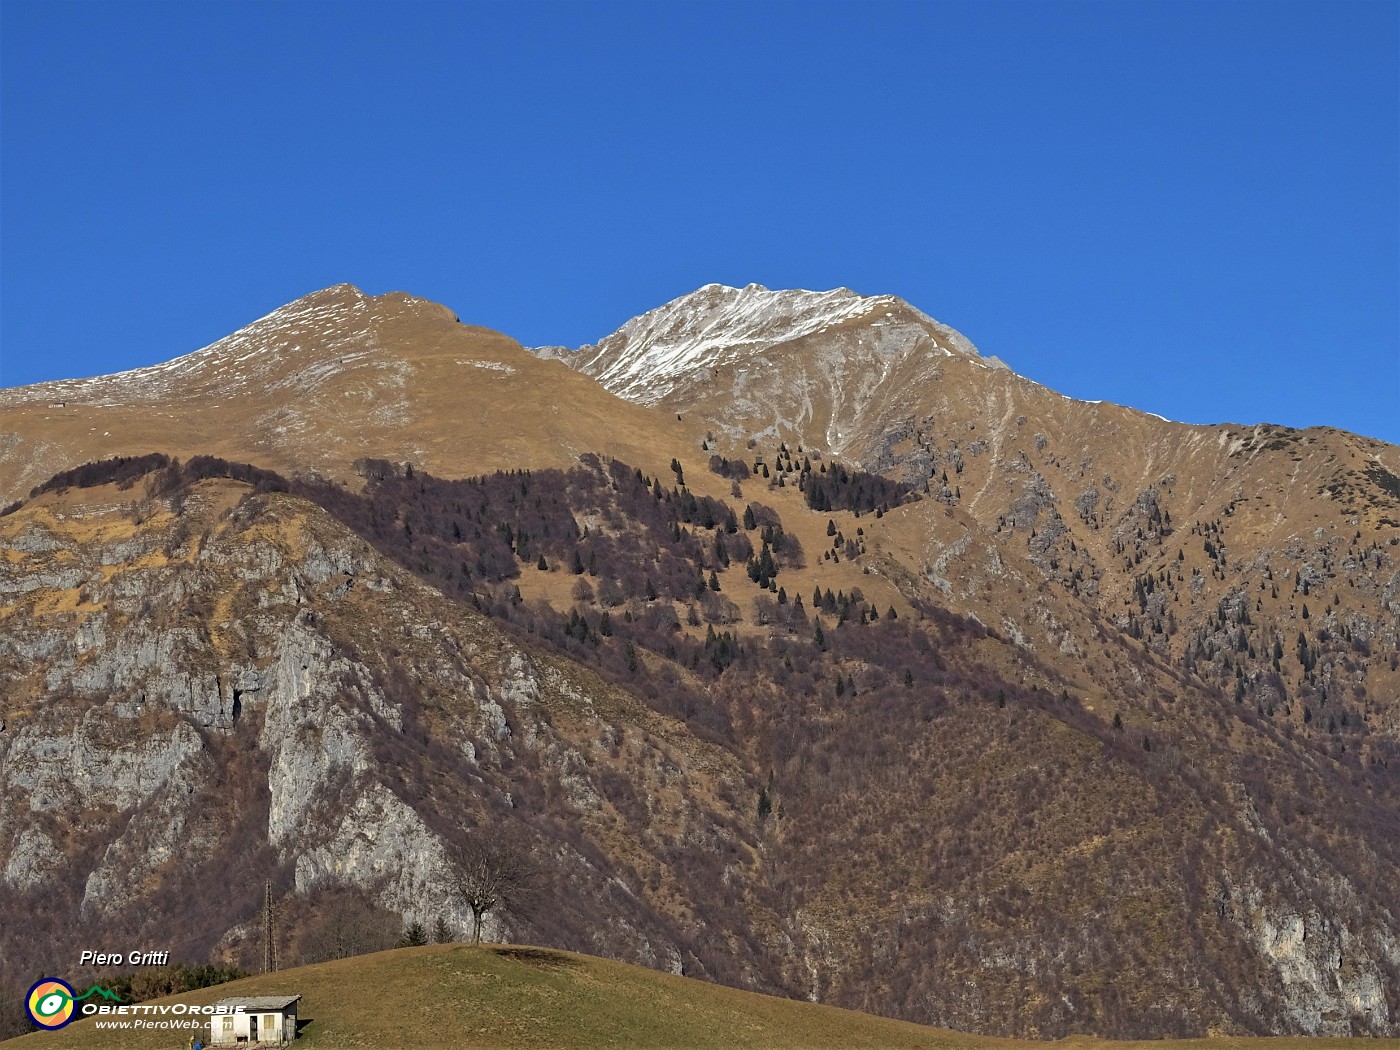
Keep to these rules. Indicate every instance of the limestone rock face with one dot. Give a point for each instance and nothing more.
(1325, 965)
(244, 691)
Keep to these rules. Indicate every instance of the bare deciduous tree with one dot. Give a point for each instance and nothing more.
(493, 873)
(349, 924)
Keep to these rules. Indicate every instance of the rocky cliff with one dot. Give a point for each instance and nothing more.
(198, 698)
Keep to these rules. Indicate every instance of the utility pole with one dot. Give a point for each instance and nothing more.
(269, 945)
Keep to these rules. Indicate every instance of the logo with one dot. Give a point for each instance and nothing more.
(50, 1003)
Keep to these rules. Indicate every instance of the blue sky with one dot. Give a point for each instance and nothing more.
(1190, 208)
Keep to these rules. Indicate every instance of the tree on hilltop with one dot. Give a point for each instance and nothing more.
(492, 874)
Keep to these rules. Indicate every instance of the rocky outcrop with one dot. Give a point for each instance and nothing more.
(1329, 971)
(252, 685)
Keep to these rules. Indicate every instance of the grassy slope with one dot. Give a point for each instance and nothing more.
(458, 996)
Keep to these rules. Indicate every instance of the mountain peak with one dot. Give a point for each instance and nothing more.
(657, 352)
(320, 324)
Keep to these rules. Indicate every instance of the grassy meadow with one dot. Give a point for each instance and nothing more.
(513, 998)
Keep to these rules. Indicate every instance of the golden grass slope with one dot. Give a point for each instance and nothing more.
(330, 378)
(509, 997)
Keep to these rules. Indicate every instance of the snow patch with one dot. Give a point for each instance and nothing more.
(644, 359)
(331, 318)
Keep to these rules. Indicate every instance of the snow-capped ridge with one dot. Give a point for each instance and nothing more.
(644, 359)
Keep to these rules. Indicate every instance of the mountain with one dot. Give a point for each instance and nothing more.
(334, 377)
(807, 651)
(786, 364)
(1144, 524)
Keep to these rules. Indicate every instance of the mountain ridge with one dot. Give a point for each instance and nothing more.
(851, 669)
(822, 359)
(332, 377)
(701, 328)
